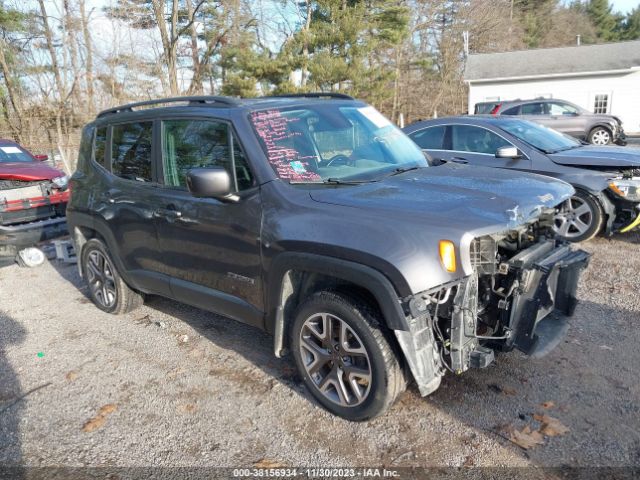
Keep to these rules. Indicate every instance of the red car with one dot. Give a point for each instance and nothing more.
(33, 200)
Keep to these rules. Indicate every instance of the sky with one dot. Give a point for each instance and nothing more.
(624, 6)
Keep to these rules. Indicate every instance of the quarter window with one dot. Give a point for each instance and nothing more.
(511, 111)
(467, 138)
(131, 151)
(188, 144)
(100, 144)
(429, 138)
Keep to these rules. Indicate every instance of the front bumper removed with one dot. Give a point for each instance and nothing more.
(548, 278)
(533, 315)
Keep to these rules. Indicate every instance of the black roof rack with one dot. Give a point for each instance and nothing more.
(342, 96)
(192, 100)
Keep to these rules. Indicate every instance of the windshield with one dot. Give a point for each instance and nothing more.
(12, 153)
(329, 142)
(543, 138)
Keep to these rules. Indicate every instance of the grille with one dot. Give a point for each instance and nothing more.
(483, 255)
(11, 184)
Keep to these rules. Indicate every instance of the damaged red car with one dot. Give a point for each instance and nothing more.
(33, 200)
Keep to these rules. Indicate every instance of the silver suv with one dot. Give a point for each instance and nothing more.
(566, 117)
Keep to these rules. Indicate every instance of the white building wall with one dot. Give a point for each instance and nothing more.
(623, 91)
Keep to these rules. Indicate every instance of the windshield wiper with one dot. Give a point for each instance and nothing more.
(400, 170)
(332, 181)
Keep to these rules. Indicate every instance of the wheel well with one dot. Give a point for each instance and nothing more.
(80, 236)
(606, 127)
(299, 285)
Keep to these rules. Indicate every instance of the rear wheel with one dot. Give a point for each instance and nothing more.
(600, 136)
(344, 358)
(580, 218)
(106, 288)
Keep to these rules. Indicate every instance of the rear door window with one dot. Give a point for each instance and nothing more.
(469, 138)
(131, 151)
(189, 143)
(537, 108)
(511, 111)
(431, 138)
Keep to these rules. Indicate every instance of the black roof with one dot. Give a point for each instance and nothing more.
(224, 102)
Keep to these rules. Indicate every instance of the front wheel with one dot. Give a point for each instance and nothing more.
(600, 136)
(344, 357)
(580, 218)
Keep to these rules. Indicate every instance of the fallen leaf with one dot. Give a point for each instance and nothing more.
(98, 421)
(547, 405)
(266, 463)
(188, 408)
(509, 391)
(71, 376)
(551, 427)
(526, 438)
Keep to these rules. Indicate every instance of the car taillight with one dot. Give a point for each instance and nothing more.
(495, 109)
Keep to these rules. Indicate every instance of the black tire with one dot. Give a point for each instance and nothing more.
(600, 136)
(594, 218)
(126, 299)
(387, 378)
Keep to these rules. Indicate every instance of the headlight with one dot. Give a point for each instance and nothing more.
(627, 189)
(61, 182)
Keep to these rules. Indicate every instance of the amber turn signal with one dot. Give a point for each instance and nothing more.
(448, 255)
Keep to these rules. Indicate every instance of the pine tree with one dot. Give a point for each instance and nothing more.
(631, 25)
(605, 21)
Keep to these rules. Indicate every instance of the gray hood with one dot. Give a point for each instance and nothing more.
(594, 156)
(475, 197)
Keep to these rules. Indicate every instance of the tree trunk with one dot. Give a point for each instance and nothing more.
(168, 45)
(88, 59)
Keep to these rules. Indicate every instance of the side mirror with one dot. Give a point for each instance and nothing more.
(212, 182)
(42, 158)
(508, 152)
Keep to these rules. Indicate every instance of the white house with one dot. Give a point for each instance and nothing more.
(600, 78)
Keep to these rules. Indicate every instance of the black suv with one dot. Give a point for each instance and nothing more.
(314, 218)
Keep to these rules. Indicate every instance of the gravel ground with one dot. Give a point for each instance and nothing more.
(171, 385)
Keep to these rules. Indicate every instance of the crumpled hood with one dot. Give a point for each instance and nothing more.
(28, 171)
(466, 196)
(595, 156)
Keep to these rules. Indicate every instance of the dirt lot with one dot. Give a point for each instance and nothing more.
(171, 385)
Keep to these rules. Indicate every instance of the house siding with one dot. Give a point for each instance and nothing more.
(623, 90)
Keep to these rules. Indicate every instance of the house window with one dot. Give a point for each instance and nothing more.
(601, 103)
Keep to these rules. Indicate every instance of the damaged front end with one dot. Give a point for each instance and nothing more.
(521, 290)
(31, 211)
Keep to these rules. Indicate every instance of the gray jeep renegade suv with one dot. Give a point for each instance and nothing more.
(314, 218)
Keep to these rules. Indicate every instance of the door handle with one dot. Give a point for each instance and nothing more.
(167, 212)
(464, 161)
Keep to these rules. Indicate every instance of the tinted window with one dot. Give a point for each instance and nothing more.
(467, 138)
(131, 151)
(188, 144)
(511, 111)
(429, 138)
(532, 109)
(100, 144)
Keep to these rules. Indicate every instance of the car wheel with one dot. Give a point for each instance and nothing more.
(600, 136)
(344, 357)
(106, 288)
(580, 218)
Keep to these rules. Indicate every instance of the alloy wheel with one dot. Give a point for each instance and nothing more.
(601, 137)
(100, 279)
(335, 359)
(574, 218)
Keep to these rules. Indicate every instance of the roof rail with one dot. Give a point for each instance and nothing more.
(342, 96)
(192, 100)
